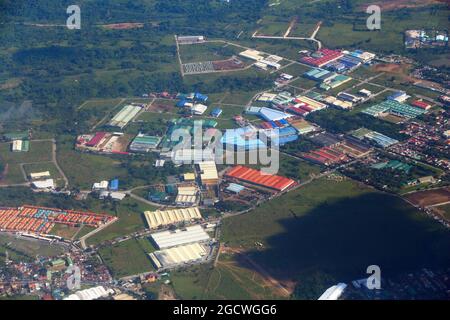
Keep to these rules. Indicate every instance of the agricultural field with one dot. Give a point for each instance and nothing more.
(128, 258)
(351, 219)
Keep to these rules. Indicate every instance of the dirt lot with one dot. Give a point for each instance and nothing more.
(430, 197)
(162, 106)
(389, 5)
(400, 70)
(230, 64)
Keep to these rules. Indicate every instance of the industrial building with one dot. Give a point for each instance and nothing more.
(47, 184)
(103, 142)
(256, 177)
(124, 116)
(198, 109)
(208, 173)
(235, 188)
(39, 175)
(159, 218)
(322, 57)
(400, 96)
(374, 137)
(186, 196)
(178, 237)
(340, 79)
(177, 256)
(252, 55)
(281, 136)
(20, 146)
(394, 107)
(216, 112)
(144, 143)
(268, 114)
(302, 126)
(190, 39)
(245, 138)
(303, 105)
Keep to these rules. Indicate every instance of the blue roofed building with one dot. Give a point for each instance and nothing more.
(243, 138)
(114, 185)
(216, 112)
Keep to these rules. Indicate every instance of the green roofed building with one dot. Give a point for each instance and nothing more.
(394, 165)
(394, 107)
(144, 143)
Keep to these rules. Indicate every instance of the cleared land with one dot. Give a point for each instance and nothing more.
(430, 197)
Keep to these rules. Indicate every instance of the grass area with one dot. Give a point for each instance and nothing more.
(207, 52)
(98, 108)
(337, 229)
(130, 214)
(40, 151)
(84, 169)
(64, 231)
(128, 258)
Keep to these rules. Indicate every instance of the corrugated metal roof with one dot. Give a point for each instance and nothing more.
(257, 177)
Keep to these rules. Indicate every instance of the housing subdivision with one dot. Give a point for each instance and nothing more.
(40, 221)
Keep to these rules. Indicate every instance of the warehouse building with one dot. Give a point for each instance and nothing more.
(178, 237)
(160, 218)
(256, 177)
(208, 173)
(374, 137)
(322, 57)
(302, 126)
(190, 39)
(39, 175)
(186, 196)
(216, 112)
(20, 146)
(144, 143)
(172, 257)
(124, 116)
(394, 107)
(245, 138)
(268, 114)
(337, 81)
(252, 55)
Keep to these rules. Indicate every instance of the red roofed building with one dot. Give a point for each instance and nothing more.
(421, 104)
(96, 139)
(256, 177)
(322, 57)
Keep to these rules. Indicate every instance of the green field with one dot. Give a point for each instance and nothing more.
(337, 229)
(40, 151)
(207, 52)
(130, 214)
(128, 258)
